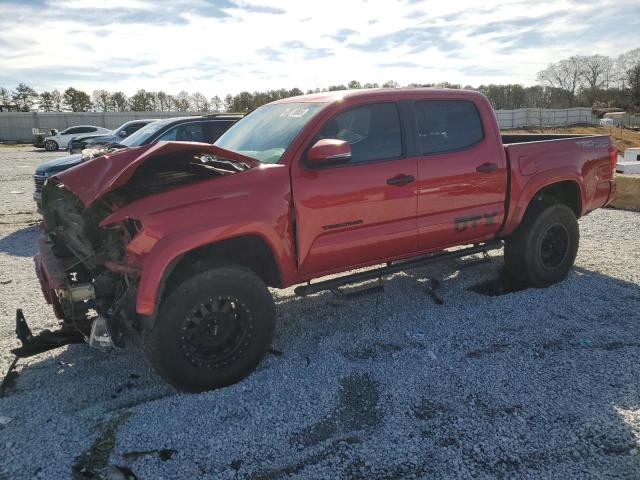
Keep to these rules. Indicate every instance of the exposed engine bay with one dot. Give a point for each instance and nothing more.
(75, 258)
(84, 269)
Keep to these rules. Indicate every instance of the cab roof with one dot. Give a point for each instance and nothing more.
(337, 95)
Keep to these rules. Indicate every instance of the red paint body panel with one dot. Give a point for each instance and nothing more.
(362, 220)
(450, 189)
(253, 202)
(583, 160)
(320, 221)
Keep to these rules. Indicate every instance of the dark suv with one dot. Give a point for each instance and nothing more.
(204, 129)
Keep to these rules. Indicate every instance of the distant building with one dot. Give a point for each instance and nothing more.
(600, 112)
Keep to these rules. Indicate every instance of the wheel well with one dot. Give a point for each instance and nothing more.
(566, 192)
(249, 251)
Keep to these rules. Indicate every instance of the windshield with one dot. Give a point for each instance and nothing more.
(266, 133)
(141, 136)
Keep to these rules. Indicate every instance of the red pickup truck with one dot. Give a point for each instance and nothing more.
(171, 247)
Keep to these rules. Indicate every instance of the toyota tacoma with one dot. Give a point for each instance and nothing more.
(171, 247)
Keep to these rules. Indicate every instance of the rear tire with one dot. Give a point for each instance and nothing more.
(51, 145)
(212, 330)
(543, 248)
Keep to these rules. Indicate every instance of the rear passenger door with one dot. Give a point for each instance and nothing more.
(462, 174)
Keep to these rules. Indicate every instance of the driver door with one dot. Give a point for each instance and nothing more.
(364, 211)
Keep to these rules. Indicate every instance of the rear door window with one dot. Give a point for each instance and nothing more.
(186, 132)
(134, 127)
(447, 125)
(213, 129)
(373, 132)
(84, 130)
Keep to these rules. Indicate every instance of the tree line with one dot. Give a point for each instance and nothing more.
(580, 80)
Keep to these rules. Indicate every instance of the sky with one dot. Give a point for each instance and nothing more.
(219, 47)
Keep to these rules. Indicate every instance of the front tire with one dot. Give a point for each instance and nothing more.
(51, 145)
(212, 330)
(543, 248)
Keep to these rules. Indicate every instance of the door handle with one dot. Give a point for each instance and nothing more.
(400, 180)
(487, 167)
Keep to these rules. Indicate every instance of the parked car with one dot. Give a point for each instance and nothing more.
(59, 140)
(77, 144)
(205, 128)
(40, 134)
(174, 245)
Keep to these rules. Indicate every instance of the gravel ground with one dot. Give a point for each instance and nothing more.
(529, 384)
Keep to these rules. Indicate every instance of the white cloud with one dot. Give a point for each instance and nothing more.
(224, 46)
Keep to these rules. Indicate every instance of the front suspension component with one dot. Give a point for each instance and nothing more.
(43, 342)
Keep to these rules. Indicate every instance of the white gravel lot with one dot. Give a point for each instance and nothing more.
(530, 384)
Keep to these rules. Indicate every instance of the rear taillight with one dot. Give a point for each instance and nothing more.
(613, 156)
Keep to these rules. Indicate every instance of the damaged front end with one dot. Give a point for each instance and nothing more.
(84, 268)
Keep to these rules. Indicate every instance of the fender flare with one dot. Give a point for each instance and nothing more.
(160, 262)
(518, 208)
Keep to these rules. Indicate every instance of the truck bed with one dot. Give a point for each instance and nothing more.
(574, 160)
(510, 138)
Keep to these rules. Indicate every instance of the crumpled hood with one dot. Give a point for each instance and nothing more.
(92, 180)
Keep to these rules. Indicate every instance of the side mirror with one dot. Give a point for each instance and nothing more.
(122, 133)
(329, 151)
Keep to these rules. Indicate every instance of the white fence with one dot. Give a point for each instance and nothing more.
(545, 117)
(17, 126)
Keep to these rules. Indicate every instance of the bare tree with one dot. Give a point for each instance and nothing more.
(57, 100)
(624, 63)
(182, 102)
(633, 80)
(538, 96)
(164, 101)
(228, 103)
(102, 100)
(595, 75)
(630, 65)
(565, 75)
(217, 105)
(120, 102)
(199, 102)
(5, 97)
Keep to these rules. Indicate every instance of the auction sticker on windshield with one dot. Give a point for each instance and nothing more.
(294, 112)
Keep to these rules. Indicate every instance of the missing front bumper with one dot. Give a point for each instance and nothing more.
(43, 342)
